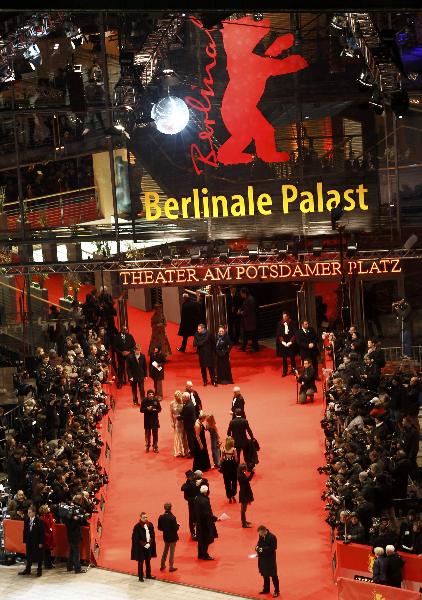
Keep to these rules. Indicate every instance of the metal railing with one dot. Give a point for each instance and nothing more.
(64, 208)
(395, 354)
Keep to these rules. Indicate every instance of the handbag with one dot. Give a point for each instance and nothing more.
(256, 445)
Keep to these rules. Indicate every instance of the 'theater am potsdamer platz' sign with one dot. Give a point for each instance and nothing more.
(199, 275)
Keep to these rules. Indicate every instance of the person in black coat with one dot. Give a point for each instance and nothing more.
(307, 382)
(156, 370)
(245, 492)
(393, 567)
(267, 561)
(307, 342)
(286, 342)
(223, 346)
(167, 523)
(203, 343)
(16, 471)
(73, 522)
(52, 417)
(206, 531)
(194, 396)
(143, 546)
(238, 401)
(400, 471)
(238, 428)
(136, 367)
(123, 345)
(190, 491)
(150, 407)
(189, 320)
(188, 416)
(248, 315)
(233, 304)
(33, 537)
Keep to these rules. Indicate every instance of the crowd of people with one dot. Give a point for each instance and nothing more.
(372, 435)
(51, 456)
(49, 178)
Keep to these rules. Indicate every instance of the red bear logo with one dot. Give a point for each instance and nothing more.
(248, 73)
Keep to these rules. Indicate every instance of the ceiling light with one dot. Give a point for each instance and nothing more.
(171, 115)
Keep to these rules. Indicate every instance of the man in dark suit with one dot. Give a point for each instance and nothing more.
(143, 546)
(202, 341)
(150, 407)
(286, 342)
(189, 320)
(188, 416)
(73, 522)
(238, 402)
(124, 344)
(167, 523)
(33, 537)
(307, 341)
(136, 367)
(233, 304)
(393, 567)
(194, 396)
(238, 428)
(307, 382)
(206, 531)
(189, 490)
(248, 320)
(267, 561)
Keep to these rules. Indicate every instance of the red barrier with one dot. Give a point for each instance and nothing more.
(356, 559)
(349, 589)
(96, 521)
(13, 540)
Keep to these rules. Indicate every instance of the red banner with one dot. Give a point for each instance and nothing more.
(349, 589)
(357, 559)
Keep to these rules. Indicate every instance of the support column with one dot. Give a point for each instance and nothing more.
(140, 298)
(172, 298)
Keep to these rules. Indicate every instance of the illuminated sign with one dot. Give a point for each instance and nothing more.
(200, 204)
(254, 273)
(248, 74)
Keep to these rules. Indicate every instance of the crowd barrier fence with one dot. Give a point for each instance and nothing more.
(350, 560)
(350, 589)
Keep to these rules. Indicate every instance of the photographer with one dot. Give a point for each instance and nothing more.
(74, 516)
(307, 381)
(403, 311)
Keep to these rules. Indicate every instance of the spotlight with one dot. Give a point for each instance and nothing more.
(365, 79)
(352, 248)
(253, 252)
(166, 260)
(171, 115)
(195, 257)
(410, 242)
(376, 101)
(282, 253)
(338, 22)
(317, 249)
(258, 17)
(224, 253)
(400, 103)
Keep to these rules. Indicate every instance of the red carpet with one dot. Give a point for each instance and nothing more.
(287, 487)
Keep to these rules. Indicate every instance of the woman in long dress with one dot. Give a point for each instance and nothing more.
(228, 468)
(158, 331)
(223, 346)
(180, 442)
(211, 426)
(201, 459)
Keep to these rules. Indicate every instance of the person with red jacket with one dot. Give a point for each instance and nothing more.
(49, 534)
